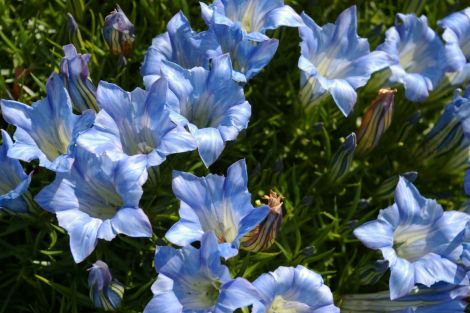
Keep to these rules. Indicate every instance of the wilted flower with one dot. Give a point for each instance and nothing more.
(342, 159)
(263, 235)
(48, 129)
(335, 60)
(74, 73)
(119, 33)
(136, 123)
(98, 199)
(105, 292)
(438, 299)
(215, 203)
(180, 45)
(290, 289)
(209, 102)
(13, 180)
(75, 36)
(192, 280)
(418, 56)
(376, 120)
(254, 16)
(421, 242)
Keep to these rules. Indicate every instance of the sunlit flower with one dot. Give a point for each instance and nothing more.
(335, 60)
(418, 56)
(98, 199)
(290, 289)
(13, 180)
(215, 203)
(421, 242)
(105, 292)
(210, 103)
(74, 73)
(48, 129)
(136, 123)
(192, 280)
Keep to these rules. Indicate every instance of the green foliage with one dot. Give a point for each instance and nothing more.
(285, 151)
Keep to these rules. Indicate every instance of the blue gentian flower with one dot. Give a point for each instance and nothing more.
(209, 102)
(105, 292)
(335, 60)
(421, 242)
(74, 73)
(119, 33)
(192, 280)
(215, 203)
(136, 123)
(457, 35)
(418, 56)
(98, 199)
(438, 299)
(254, 16)
(289, 289)
(48, 129)
(13, 180)
(249, 57)
(180, 45)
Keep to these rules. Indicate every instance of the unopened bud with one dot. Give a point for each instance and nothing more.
(105, 292)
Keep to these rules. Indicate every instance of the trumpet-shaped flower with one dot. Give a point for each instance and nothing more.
(105, 292)
(457, 36)
(421, 242)
(74, 72)
(136, 123)
(209, 102)
(98, 199)
(254, 16)
(215, 203)
(440, 298)
(289, 289)
(418, 56)
(180, 45)
(48, 129)
(335, 60)
(13, 180)
(192, 280)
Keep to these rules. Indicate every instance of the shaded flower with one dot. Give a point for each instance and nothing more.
(74, 73)
(215, 203)
(439, 298)
(418, 55)
(180, 45)
(335, 60)
(75, 36)
(105, 292)
(342, 159)
(421, 242)
(254, 16)
(48, 129)
(376, 120)
(289, 289)
(209, 103)
(136, 123)
(98, 199)
(457, 35)
(192, 280)
(249, 57)
(264, 234)
(119, 34)
(13, 180)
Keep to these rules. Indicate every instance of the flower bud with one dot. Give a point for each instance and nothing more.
(75, 36)
(387, 189)
(342, 159)
(375, 121)
(74, 72)
(263, 235)
(105, 292)
(119, 33)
